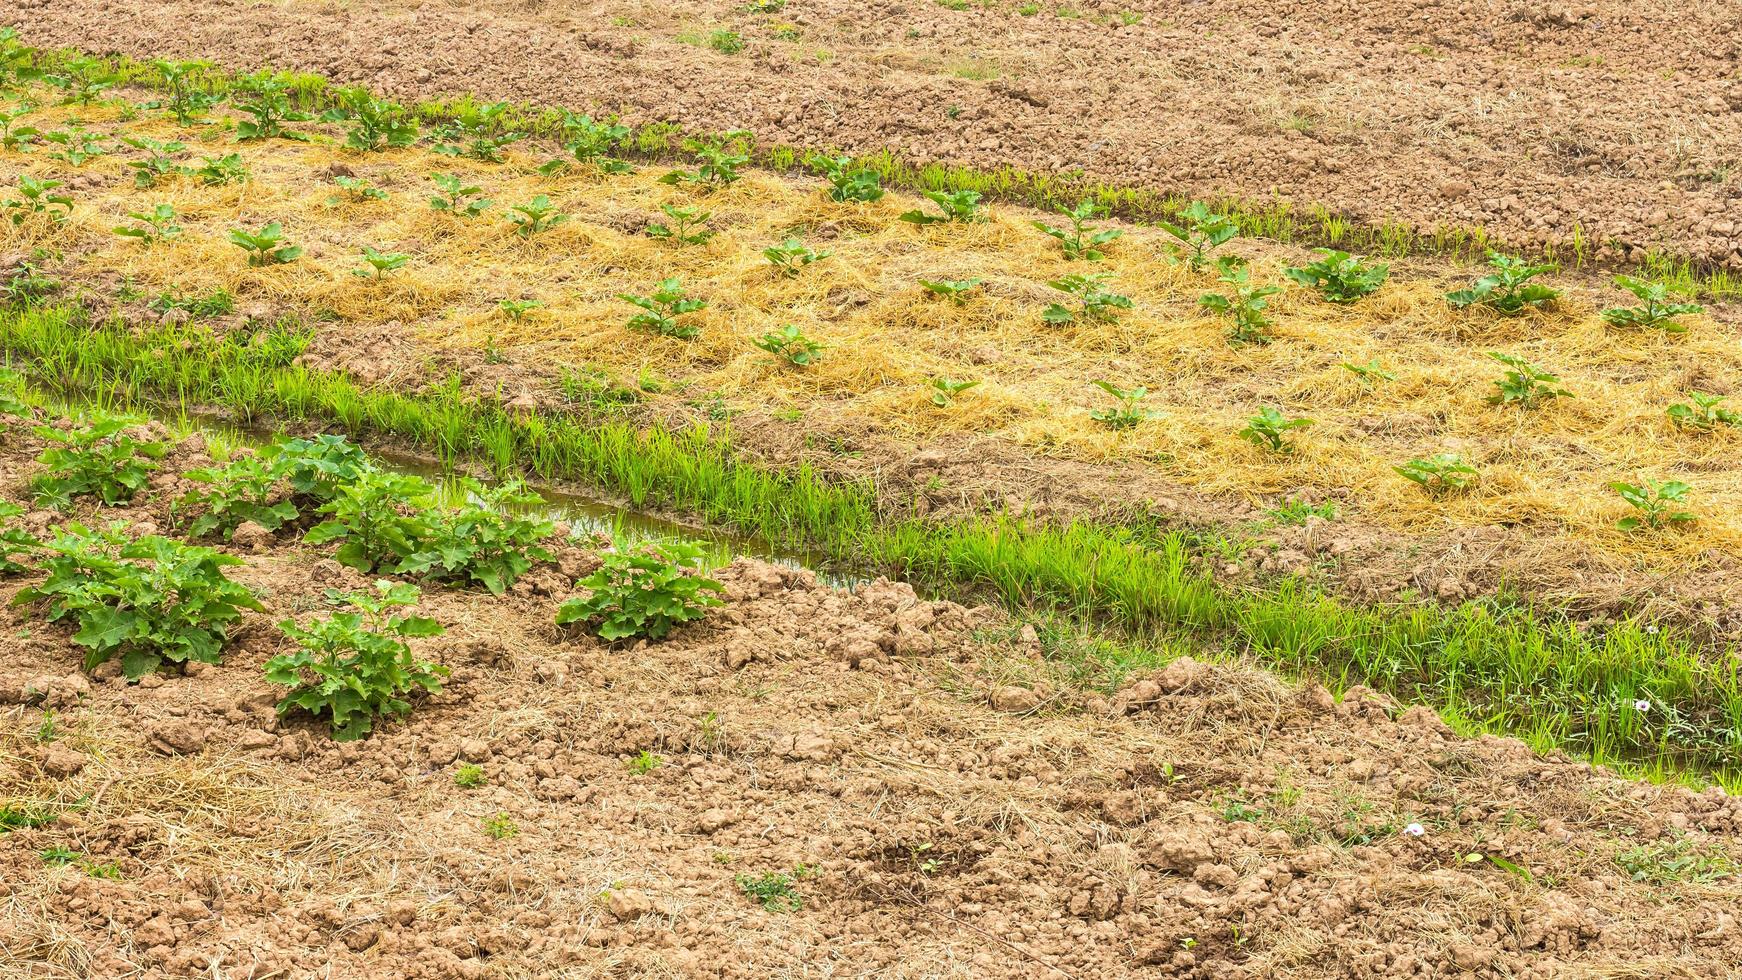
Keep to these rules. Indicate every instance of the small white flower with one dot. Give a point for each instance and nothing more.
(1415, 830)
(1642, 705)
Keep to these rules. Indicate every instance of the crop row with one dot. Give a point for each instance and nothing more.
(1199, 235)
(195, 83)
(154, 602)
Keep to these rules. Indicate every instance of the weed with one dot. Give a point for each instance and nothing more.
(1524, 383)
(217, 171)
(1126, 414)
(1098, 303)
(643, 593)
(1508, 289)
(775, 891)
(1440, 473)
(535, 217)
(791, 345)
(1678, 860)
(1198, 233)
(376, 125)
(1245, 306)
(644, 763)
(147, 601)
(946, 390)
(55, 857)
(478, 132)
(661, 310)
(847, 182)
(37, 197)
(686, 228)
(1081, 240)
(726, 42)
(956, 206)
(1339, 277)
(380, 263)
(265, 246)
(267, 100)
(1269, 429)
(469, 776)
(1704, 413)
(792, 255)
(457, 197)
(157, 225)
(357, 190)
(1370, 372)
(354, 666)
(1655, 504)
(1656, 311)
(501, 827)
(95, 456)
(1297, 512)
(954, 290)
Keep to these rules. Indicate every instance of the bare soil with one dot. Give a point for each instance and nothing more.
(948, 801)
(1606, 121)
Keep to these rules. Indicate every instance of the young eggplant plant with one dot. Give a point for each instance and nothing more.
(791, 256)
(159, 161)
(1655, 505)
(265, 246)
(38, 198)
(267, 100)
(1269, 429)
(535, 217)
(1245, 306)
(661, 310)
(154, 226)
(945, 391)
(1655, 311)
(1081, 240)
(717, 161)
(1704, 412)
(791, 345)
(380, 263)
(687, 225)
(186, 101)
(1524, 384)
(589, 142)
(457, 197)
(846, 182)
(1439, 474)
(1198, 233)
(478, 132)
(1096, 301)
(1125, 414)
(376, 125)
(1339, 277)
(1508, 289)
(957, 206)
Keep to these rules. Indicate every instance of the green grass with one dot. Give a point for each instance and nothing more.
(1275, 219)
(1487, 666)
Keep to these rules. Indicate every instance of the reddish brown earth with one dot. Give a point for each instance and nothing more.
(962, 806)
(1537, 120)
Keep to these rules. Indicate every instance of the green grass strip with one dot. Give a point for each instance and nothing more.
(1486, 666)
(1276, 219)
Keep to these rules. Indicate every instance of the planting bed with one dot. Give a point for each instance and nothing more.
(1540, 122)
(949, 795)
(1541, 518)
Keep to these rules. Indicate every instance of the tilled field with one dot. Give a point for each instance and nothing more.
(1603, 121)
(809, 782)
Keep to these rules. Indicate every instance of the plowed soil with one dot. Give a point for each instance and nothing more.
(1603, 120)
(946, 802)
